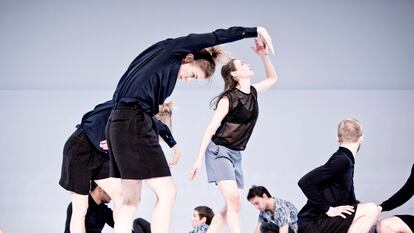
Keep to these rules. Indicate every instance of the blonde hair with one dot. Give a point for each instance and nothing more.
(349, 130)
(208, 58)
(165, 113)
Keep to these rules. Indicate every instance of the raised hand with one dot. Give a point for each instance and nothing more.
(264, 36)
(259, 48)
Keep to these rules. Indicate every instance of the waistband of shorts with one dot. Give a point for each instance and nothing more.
(134, 106)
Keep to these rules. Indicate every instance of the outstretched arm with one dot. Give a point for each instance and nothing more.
(220, 113)
(402, 196)
(196, 42)
(271, 75)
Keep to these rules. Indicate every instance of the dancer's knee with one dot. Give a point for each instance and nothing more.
(131, 200)
(369, 209)
(233, 202)
(167, 196)
(388, 225)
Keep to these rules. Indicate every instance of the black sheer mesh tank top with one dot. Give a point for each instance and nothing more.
(237, 126)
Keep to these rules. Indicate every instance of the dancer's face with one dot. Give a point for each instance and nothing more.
(105, 198)
(191, 71)
(196, 220)
(242, 69)
(259, 203)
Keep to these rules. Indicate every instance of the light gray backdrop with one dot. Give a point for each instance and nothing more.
(335, 59)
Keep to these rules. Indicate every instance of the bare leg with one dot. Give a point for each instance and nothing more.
(131, 195)
(79, 209)
(164, 189)
(232, 199)
(218, 222)
(220, 219)
(365, 217)
(393, 224)
(112, 186)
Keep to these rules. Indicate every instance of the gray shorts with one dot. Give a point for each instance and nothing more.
(223, 163)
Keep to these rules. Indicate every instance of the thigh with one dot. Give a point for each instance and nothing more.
(219, 164)
(112, 186)
(135, 145)
(79, 203)
(229, 190)
(407, 222)
(101, 166)
(365, 209)
(236, 157)
(131, 190)
(78, 163)
(269, 228)
(326, 224)
(162, 186)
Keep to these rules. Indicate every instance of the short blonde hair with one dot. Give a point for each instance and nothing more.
(349, 130)
(165, 113)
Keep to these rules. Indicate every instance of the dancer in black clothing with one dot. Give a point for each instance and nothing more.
(99, 214)
(85, 158)
(332, 206)
(133, 146)
(398, 223)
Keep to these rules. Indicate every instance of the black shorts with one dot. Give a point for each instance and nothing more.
(81, 163)
(134, 148)
(326, 224)
(407, 219)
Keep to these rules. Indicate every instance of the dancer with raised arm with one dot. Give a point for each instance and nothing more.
(236, 112)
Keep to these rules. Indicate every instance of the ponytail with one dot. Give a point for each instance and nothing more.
(229, 82)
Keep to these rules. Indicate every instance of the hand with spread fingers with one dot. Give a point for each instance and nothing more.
(340, 211)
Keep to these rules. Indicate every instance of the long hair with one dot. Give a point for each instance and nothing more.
(229, 82)
(209, 57)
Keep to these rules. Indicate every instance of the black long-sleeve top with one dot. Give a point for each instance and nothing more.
(329, 185)
(402, 196)
(96, 217)
(152, 75)
(94, 122)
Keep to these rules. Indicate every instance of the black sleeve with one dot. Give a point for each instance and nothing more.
(402, 196)
(109, 217)
(196, 42)
(352, 198)
(165, 133)
(68, 217)
(310, 182)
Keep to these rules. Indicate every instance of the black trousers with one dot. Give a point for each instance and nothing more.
(268, 227)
